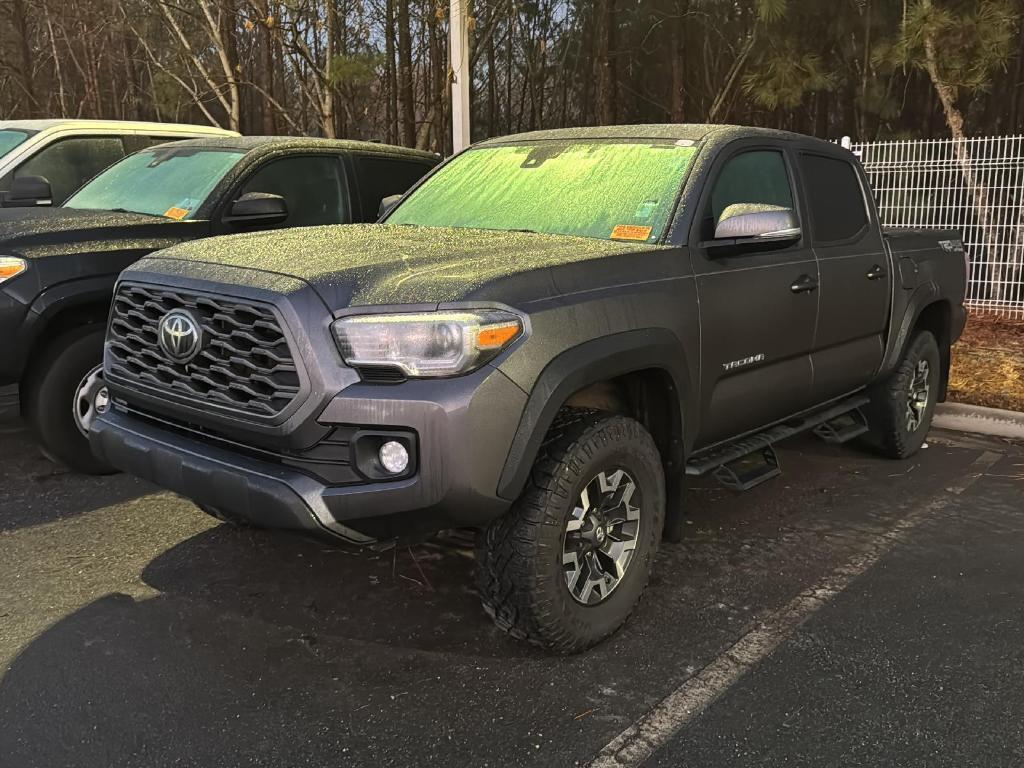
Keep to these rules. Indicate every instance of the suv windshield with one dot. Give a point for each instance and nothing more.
(164, 181)
(613, 190)
(10, 139)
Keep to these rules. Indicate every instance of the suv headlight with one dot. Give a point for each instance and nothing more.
(11, 266)
(429, 343)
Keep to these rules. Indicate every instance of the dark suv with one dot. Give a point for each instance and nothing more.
(542, 340)
(58, 265)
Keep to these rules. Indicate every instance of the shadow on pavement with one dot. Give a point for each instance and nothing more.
(258, 643)
(265, 648)
(34, 490)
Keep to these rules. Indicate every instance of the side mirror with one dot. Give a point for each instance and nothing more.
(257, 209)
(28, 192)
(387, 204)
(757, 223)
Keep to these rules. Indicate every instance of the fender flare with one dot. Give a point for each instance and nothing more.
(579, 366)
(52, 301)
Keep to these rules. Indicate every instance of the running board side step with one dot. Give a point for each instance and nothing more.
(842, 429)
(752, 460)
(749, 471)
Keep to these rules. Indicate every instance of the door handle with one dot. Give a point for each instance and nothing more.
(877, 272)
(804, 284)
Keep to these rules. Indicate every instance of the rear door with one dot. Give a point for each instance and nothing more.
(856, 288)
(758, 306)
(377, 176)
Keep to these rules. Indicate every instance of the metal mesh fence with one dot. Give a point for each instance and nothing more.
(975, 186)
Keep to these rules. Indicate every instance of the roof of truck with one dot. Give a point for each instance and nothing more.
(672, 131)
(277, 143)
(113, 125)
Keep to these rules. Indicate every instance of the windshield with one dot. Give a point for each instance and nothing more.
(10, 139)
(165, 181)
(608, 190)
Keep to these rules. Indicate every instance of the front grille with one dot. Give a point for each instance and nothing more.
(245, 363)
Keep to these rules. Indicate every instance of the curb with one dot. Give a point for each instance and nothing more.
(979, 420)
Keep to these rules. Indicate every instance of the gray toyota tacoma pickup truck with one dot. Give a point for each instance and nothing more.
(540, 341)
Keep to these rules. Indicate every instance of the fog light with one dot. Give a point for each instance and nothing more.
(394, 457)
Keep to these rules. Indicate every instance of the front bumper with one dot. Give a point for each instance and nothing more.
(463, 427)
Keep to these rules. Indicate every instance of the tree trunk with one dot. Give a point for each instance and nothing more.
(405, 92)
(19, 21)
(677, 46)
(390, 75)
(607, 76)
(976, 189)
(492, 90)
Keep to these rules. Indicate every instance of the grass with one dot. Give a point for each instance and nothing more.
(988, 364)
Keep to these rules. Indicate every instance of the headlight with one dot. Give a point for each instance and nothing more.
(429, 343)
(11, 266)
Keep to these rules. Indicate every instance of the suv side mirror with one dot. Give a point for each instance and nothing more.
(746, 222)
(257, 209)
(387, 204)
(28, 192)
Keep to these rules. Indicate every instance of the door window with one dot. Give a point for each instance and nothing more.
(69, 163)
(311, 186)
(758, 177)
(381, 177)
(835, 198)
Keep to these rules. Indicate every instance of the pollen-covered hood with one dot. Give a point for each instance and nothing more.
(39, 232)
(380, 264)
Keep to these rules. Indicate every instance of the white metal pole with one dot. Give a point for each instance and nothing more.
(459, 46)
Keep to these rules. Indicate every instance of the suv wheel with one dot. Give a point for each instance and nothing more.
(566, 566)
(900, 413)
(62, 394)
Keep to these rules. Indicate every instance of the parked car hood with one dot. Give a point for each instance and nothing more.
(381, 264)
(39, 232)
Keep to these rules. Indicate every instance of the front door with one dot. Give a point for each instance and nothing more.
(758, 305)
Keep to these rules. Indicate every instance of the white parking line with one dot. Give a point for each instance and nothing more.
(638, 742)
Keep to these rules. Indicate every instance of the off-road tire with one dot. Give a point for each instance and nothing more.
(888, 432)
(520, 575)
(48, 392)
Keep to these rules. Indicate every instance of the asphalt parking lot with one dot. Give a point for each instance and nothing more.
(853, 612)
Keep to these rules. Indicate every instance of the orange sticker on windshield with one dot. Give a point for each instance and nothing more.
(176, 213)
(631, 232)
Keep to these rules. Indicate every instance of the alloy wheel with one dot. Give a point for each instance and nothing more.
(918, 396)
(91, 399)
(601, 536)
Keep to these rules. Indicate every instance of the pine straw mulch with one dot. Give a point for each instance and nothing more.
(988, 364)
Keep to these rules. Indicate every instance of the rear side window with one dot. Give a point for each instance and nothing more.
(381, 177)
(311, 186)
(757, 177)
(835, 198)
(69, 163)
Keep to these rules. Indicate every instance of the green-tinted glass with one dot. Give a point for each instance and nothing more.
(607, 190)
(10, 139)
(168, 181)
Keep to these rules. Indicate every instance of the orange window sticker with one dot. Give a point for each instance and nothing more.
(176, 213)
(631, 232)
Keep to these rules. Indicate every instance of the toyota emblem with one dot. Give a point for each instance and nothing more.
(179, 335)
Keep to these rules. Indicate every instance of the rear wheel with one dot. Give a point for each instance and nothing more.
(63, 393)
(566, 566)
(901, 409)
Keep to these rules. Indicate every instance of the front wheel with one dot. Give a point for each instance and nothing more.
(901, 408)
(63, 393)
(565, 567)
